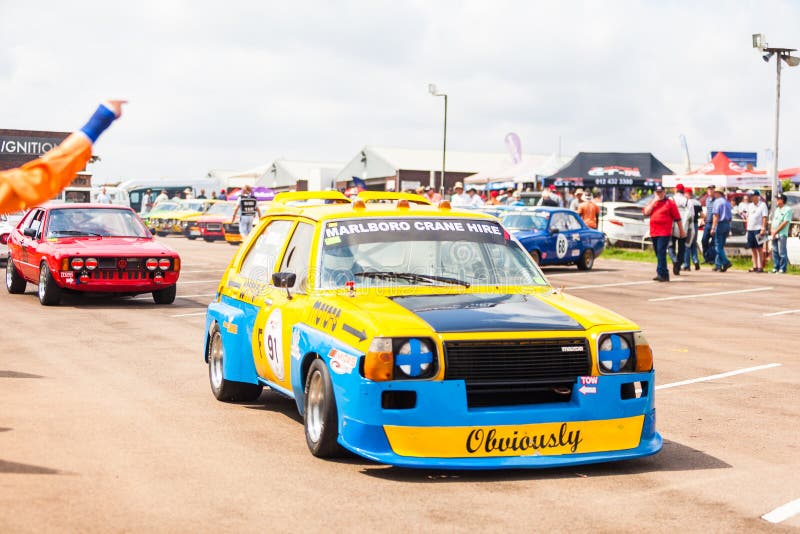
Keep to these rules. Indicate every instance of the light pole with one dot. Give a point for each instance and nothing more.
(432, 89)
(785, 54)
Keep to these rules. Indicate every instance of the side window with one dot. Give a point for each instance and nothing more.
(295, 260)
(572, 222)
(259, 264)
(36, 222)
(558, 222)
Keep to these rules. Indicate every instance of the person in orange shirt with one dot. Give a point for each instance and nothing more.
(41, 179)
(588, 211)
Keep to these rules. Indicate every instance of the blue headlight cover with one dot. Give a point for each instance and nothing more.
(415, 358)
(614, 353)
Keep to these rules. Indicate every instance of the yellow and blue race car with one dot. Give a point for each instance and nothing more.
(424, 336)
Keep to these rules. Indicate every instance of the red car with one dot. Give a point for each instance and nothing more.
(209, 225)
(89, 248)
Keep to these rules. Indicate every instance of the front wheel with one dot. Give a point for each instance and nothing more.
(166, 295)
(320, 417)
(586, 261)
(226, 390)
(15, 283)
(49, 292)
(537, 258)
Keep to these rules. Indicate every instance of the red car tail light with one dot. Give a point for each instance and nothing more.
(164, 264)
(77, 264)
(91, 263)
(151, 264)
(4, 238)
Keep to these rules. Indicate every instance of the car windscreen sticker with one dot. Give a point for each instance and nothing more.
(416, 229)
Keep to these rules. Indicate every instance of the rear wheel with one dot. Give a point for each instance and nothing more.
(226, 390)
(320, 417)
(586, 261)
(166, 295)
(209, 239)
(49, 292)
(190, 237)
(161, 234)
(15, 283)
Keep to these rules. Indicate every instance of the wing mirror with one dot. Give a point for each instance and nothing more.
(284, 279)
(30, 232)
(553, 230)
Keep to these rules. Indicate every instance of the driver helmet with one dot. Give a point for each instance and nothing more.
(338, 259)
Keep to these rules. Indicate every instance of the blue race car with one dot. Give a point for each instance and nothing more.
(555, 236)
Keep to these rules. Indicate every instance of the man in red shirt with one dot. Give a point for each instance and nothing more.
(663, 213)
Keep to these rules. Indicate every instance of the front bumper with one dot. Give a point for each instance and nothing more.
(72, 281)
(440, 431)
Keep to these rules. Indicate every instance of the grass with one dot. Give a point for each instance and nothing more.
(740, 263)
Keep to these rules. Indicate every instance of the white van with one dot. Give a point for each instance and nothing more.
(137, 188)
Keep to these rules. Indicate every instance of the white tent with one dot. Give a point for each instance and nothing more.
(531, 166)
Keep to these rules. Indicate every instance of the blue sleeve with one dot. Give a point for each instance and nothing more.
(98, 122)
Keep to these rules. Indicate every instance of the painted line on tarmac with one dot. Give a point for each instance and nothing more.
(199, 282)
(221, 269)
(784, 512)
(189, 314)
(718, 376)
(700, 295)
(780, 313)
(179, 296)
(611, 285)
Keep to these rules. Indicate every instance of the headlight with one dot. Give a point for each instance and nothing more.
(164, 264)
(400, 359)
(151, 264)
(614, 354)
(91, 263)
(77, 264)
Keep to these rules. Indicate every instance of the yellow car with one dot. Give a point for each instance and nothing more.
(231, 228)
(424, 336)
(176, 221)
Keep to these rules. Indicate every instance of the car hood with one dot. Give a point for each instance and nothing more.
(213, 218)
(116, 246)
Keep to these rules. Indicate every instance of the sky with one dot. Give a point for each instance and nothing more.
(238, 84)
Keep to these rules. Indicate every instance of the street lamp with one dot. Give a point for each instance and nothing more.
(785, 54)
(432, 89)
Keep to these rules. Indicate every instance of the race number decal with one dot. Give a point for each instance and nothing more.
(273, 344)
(561, 245)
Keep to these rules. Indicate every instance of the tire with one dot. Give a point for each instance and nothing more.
(166, 295)
(232, 243)
(209, 239)
(15, 283)
(586, 261)
(49, 292)
(537, 258)
(190, 237)
(320, 417)
(161, 234)
(226, 390)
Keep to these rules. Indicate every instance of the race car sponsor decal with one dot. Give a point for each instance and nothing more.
(372, 231)
(295, 349)
(66, 274)
(588, 385)
(325, 316)
(231, 327)
(561, 246)
(341, 362)
(571, 437)
(575, 252)
(273, 342)
(361, 335)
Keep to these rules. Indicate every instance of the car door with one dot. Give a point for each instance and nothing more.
(577, 236)
(562, 238)
(28, 263)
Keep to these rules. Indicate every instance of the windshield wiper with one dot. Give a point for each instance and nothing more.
(413, 277)
(77, 232)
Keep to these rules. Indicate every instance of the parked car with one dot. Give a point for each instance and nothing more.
(209, 225)
(424, 336)
(793, 201)
(5, 233)
(623, 222)
(555, 236)
(89, 248)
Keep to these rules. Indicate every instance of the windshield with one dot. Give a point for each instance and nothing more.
(166, 206)
(192, 205)
(221, 208)
(103, 222)
(421, 251)
(525, 221)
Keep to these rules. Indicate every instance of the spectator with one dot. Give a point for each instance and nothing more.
(188, 194)
(756, 224)
(43, 178)
(492, 201)
(743, 206)
(549, 197)
(147, 202)
(588, 211)
(213, 195)
(161, 197)
(459, 198)
(103, 197)
(202, 194)
(781, 219)
(577, 198)
(432, 195)
(248, 206)
(475, 200)
(707, 241)
(663, 214)
(692, 232)
(721, 213)
(222, 195)
(677, 246)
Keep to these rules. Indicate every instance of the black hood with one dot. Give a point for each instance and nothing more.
(487, 313)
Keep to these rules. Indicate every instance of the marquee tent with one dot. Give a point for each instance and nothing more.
(610, 169)
(721, 172)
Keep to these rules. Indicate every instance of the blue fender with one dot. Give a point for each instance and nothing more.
(238, 364)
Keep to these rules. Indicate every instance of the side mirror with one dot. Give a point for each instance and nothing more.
(553, 230)
(284, 279)
(30, 232)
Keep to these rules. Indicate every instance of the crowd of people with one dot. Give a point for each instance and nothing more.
(674, 228)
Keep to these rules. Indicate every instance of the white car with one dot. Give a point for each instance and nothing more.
(6, 226)
(623, 222)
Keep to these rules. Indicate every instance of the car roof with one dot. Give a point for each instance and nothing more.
(83, 205)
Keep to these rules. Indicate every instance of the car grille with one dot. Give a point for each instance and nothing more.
(213, 226)
(232, 228)
(108, 269)
(525, 371)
